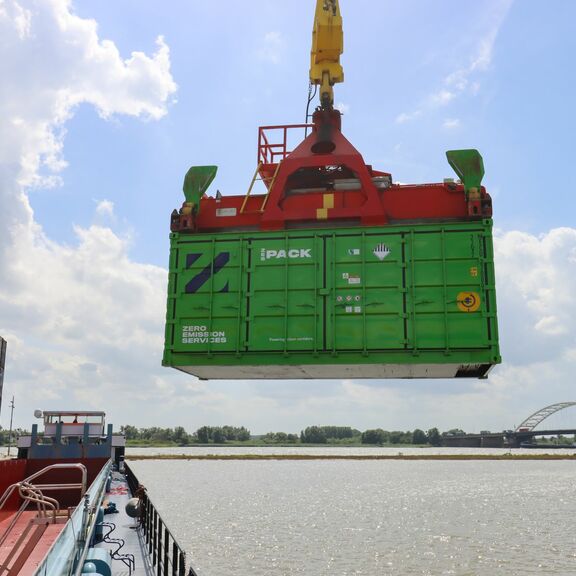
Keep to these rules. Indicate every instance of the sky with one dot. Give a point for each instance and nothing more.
(105, 105)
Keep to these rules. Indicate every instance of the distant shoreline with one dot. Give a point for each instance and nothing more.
(352, 457)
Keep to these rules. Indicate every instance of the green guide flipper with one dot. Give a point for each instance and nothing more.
(468, 165)
(196, 182)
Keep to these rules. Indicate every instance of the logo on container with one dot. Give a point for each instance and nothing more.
(381, 251)
(201, 335)
(280, 254)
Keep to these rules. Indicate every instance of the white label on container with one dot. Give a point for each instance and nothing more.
(225, 211)
(354, 251)
(349, 309)
(353, 279)
(345, 275)
(358, 309)
(291, 339)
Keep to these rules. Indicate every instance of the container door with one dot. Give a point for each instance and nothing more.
(207, 296)
(449, 289)
(284, 297)
(367, 302)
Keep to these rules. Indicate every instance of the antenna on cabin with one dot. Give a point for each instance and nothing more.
(3, 345)
(10, 431)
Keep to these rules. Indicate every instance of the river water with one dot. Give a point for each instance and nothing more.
(341, 518)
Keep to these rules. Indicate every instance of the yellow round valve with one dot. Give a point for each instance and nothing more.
(468, 301)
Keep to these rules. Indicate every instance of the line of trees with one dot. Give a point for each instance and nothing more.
(310, 435)
(340, 435)
(377, 436)
(156, 435)
(5, 435)
(326, 434)
(280, 438)
(417, 436)
(221, 434)
(179, 437)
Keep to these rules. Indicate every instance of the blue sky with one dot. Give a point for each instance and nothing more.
(515, 108)
(96, 142)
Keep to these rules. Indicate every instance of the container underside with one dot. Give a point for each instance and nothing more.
(337, 372)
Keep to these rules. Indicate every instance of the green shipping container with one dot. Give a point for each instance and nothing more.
(409, 301)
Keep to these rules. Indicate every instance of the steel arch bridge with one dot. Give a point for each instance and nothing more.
(533, 420)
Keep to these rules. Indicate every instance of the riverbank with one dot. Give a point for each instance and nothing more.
(259, 444)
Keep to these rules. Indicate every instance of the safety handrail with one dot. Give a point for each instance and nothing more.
(31, 493)
(78, 466)
(267, 152)
(9, 491)
(58, 486)
(27, 483)
(168, 557)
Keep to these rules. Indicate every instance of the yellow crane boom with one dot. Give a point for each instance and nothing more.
(327, 45)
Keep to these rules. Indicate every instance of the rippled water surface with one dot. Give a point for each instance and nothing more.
(320, 518)
(336, 450)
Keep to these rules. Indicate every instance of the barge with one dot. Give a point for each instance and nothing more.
(69, 505)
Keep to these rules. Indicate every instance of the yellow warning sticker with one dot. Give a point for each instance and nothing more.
(468, 301)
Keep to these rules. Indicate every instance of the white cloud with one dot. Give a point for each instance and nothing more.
(77, 318)
(464, 79)
(56, 62)
(451, 123)
(20, 16)
(459, 80)
(271, 47)
(404, 117)
(442, 97)
(539, 272)
(105, 208)
(344, 108)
